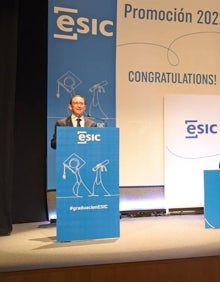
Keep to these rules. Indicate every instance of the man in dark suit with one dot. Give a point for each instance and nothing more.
(78, 106)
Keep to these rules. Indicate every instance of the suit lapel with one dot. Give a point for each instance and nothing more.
(69, 121)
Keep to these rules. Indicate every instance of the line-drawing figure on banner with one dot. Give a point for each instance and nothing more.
(74, 163)
(95, 105)
(70, 82)
(98, 169)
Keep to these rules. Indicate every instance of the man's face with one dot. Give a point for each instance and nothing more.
(77, 106)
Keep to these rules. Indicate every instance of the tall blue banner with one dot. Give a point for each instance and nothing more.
(81, 60)
(212, 198)
(87, 174)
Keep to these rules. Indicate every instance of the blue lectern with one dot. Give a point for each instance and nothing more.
(87, 183)
(212, 198)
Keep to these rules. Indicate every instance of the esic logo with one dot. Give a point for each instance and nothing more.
(70, 26)
(194, 129)
(84, 137)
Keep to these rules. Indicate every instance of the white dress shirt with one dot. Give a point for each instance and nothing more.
(74, 121)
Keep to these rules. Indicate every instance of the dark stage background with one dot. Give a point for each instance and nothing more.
(23, 53)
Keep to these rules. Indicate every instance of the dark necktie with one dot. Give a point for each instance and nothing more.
(78, 122)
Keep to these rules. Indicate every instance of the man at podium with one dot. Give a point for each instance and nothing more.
(78, 106)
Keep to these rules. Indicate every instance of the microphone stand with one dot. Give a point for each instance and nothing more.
(98, 119)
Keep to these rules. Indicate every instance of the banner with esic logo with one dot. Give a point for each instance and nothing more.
(192, 145)
(81, 60)
(87, 195)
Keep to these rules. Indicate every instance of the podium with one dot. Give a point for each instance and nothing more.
(212, 198)
(87, 183)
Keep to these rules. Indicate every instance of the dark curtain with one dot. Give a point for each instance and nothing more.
(8, 31)
(23, 53)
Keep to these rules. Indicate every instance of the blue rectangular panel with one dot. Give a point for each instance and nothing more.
(212, 198)
(87, 179)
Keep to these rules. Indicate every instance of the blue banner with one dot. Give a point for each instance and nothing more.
(87, 195)
(81, 60)
(212, 198)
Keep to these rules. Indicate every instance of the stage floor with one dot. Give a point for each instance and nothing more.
(34, 245)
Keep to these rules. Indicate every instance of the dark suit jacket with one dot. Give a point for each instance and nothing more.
(68, 122)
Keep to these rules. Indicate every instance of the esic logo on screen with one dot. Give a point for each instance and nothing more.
(195, 129)
(70, 25)
(84, 137)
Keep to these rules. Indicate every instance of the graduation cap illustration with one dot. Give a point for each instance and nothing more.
(69, 82)
(72, 163)
(99, 87)
(101, 166)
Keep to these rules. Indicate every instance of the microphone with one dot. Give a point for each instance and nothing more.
(102, 122)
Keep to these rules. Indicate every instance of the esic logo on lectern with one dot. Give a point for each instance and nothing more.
(84, 137)
(70, 25)
(195, 129)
